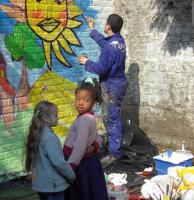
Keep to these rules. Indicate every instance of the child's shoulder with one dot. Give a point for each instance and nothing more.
(48, 133)
(87, 117)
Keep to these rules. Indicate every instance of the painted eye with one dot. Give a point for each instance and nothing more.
(59, 1)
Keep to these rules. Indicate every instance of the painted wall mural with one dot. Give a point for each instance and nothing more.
(39, 44)
(53, 22)
(61, 93)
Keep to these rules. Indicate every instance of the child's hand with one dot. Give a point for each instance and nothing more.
(90, 149)
(71, 181)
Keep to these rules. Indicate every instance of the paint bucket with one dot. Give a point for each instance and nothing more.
(166, 160)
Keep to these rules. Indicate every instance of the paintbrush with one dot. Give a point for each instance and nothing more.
(150, 197)
(167, 189)
(183, 196)
(171, 192)
(155, 196)
(176, 196)
(179, 183)
(160, 188)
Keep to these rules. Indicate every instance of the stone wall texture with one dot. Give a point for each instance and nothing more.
(160, 39)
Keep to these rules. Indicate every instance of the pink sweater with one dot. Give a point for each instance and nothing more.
(82, 134)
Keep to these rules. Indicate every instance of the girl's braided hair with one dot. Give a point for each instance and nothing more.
(93, 86)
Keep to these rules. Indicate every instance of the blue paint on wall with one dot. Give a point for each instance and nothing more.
(74, 74)
(13, 69)
(77, 72)
(34, 74)
(6, 23)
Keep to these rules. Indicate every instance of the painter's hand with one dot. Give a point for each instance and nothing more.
(90, 22)
(82, 60)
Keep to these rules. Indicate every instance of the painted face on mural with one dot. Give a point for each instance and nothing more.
(48, 18)
(53, 21)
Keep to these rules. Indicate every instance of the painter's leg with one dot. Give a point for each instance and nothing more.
(114, 128)
(111, 108)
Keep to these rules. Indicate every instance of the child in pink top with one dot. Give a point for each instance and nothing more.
(90, 182)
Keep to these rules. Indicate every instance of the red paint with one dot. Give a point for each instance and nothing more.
(37, 14)
(135, 197)
(4, 83)
(63, 18)
(68, 150)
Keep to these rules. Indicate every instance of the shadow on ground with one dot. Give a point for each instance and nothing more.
(20, 189)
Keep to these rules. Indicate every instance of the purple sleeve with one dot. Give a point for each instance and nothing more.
(98, 38)
(80, 145)
(105, 62)
(98, 139)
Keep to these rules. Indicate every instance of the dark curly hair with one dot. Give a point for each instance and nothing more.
(93, 87)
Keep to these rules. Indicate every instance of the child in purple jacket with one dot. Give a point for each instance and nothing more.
(111, 70)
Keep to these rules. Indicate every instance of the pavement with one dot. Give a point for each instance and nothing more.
(20, 188)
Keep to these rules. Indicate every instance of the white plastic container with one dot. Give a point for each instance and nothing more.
(177, 158)
(121, 195)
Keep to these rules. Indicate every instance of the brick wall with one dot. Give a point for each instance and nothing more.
(34, 66)
(159, 37)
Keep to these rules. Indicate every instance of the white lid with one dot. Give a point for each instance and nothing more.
(175, 157)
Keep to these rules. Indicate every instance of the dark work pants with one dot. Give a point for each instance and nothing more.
(51, 196)
(111, 110)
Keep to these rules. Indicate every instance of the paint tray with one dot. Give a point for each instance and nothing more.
(171, 159)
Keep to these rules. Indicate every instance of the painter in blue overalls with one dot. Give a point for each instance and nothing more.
(111, 70)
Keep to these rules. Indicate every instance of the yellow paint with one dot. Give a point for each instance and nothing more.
(51, 21)
(52, 87)
(70, 36)
(58, 53)
(2, 74)
(183, 174)
(47, 15)
(73, 23)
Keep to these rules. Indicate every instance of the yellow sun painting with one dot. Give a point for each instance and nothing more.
(53, 21)
(61, 94)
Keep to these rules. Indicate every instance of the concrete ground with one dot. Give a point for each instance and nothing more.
(17, 190)
(20, 189)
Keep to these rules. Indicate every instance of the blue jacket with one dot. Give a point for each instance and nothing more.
(111, 64)
(52, 173)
